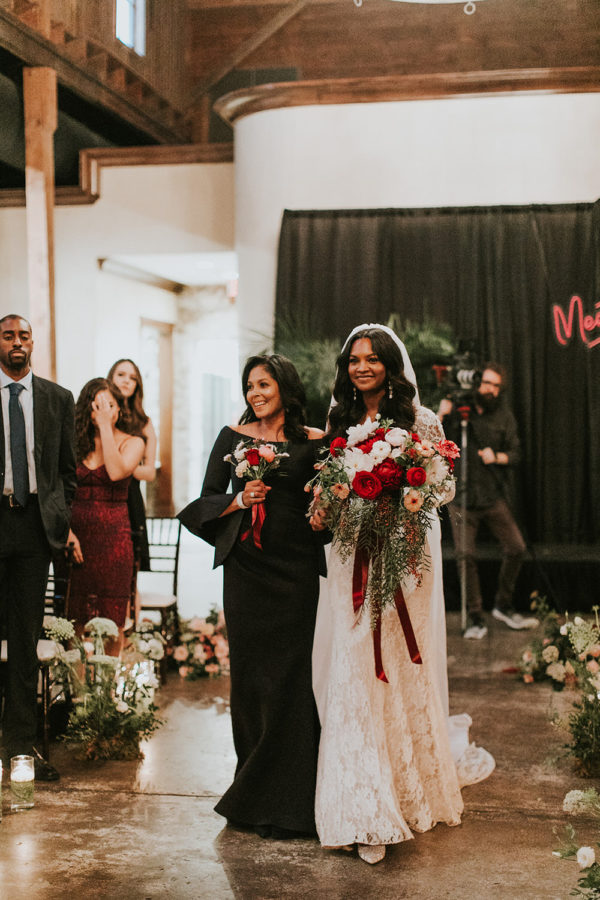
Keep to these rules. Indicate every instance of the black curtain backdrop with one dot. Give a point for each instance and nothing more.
(494, 275)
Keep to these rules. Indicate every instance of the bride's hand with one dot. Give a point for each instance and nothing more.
(317, 520)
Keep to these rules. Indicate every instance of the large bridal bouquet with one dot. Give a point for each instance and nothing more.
(378, 486)
(252, 460)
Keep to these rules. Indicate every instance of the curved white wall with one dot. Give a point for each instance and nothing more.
(460, 152)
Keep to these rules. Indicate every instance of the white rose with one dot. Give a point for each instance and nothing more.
(564, 629)
(123, 708)
(578, 621)
(585, 857)
(241, 468)
(437, 471)
(380, 451)
(199, 654)
(397, 437)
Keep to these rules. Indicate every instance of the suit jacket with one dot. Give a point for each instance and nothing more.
(54, 453)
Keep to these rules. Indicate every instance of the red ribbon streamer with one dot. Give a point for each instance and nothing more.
(360, 576)
(259, 515)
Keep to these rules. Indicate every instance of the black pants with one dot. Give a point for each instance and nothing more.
(24, 562)
(501, 523)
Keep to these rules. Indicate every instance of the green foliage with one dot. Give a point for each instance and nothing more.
(584, 725)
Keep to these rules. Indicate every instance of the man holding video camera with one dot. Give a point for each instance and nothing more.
(493, 447)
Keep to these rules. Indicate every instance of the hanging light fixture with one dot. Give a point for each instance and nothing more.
(469, 7)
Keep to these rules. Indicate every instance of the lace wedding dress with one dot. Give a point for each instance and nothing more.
(385, 759)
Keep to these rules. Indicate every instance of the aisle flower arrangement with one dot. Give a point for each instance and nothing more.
(378, 487)
(203, 649)
(586, 804)
(549, 657)
(113, 697)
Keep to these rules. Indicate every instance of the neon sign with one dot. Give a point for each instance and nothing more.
(565, 325)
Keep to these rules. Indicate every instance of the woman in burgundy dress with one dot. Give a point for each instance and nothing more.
(101, 583)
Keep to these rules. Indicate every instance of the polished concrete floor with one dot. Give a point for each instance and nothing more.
(136, 830)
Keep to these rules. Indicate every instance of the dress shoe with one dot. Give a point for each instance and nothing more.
(43, 770)
(371, 853)
(514, 620)
(263, 831)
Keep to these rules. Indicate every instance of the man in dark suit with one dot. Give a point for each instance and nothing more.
(37, 484)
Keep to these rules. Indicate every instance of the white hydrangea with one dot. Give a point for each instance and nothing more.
(556, 671)
(550, 654)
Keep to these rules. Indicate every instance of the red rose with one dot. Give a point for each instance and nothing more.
(366, 446)
(389, 474)
(253, 457)
(416, 476)
(338, 443)
(366, 485)
(415, 437)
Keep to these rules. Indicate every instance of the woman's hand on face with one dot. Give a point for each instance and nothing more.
(73, 542)
(317, 520)
(103, 412)
(255, 492)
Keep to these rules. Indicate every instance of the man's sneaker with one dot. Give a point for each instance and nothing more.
(475, 629)
(514, 620)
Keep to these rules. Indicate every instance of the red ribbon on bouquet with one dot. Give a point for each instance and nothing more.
(360, 577)
(259, 515)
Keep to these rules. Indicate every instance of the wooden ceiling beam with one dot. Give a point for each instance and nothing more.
(258, 38)
(35, 50)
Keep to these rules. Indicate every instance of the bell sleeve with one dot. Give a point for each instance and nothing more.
(201, 516)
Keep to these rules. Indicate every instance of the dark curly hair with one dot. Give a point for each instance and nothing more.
(349, 411)
(134, 418)
(293, 395)
(85, 430)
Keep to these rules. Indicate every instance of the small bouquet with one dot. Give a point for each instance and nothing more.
(378, 486)
(203, 649)
(253, 460)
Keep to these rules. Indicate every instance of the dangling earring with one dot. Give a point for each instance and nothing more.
(354, 393)
(390, 391)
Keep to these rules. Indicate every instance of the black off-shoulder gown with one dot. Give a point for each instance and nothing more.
(270, 603)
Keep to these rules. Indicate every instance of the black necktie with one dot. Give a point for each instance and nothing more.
(18, 445)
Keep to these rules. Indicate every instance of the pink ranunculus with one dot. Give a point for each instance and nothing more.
(267, 452)
(528, 679)
(413, 500)
(340, 491)
(592, 666)
(211, 669)
(180, 653)
(183, 670)
(199, 654)
(594, 651)
(197, 624)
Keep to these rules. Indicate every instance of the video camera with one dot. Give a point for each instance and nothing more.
(463, 376)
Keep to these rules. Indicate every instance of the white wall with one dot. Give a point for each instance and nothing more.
(145, 209)
(495, 150)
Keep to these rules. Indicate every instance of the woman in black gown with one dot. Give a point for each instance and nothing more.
(270, 602)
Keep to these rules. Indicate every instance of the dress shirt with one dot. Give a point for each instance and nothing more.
(26, 401)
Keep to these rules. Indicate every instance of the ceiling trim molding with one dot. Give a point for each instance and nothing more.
(92, 161)
(388, 88)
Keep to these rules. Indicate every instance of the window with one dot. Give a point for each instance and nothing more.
(131, 24)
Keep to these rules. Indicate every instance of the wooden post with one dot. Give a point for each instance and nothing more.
(39, 93)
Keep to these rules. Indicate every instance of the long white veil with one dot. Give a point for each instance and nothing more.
(473, 763)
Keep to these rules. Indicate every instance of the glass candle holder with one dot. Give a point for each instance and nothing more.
(22, 775)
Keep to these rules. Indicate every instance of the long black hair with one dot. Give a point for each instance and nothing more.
(291, 389)
(350, 410)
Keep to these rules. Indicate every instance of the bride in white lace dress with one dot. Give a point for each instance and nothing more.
(386, 767)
